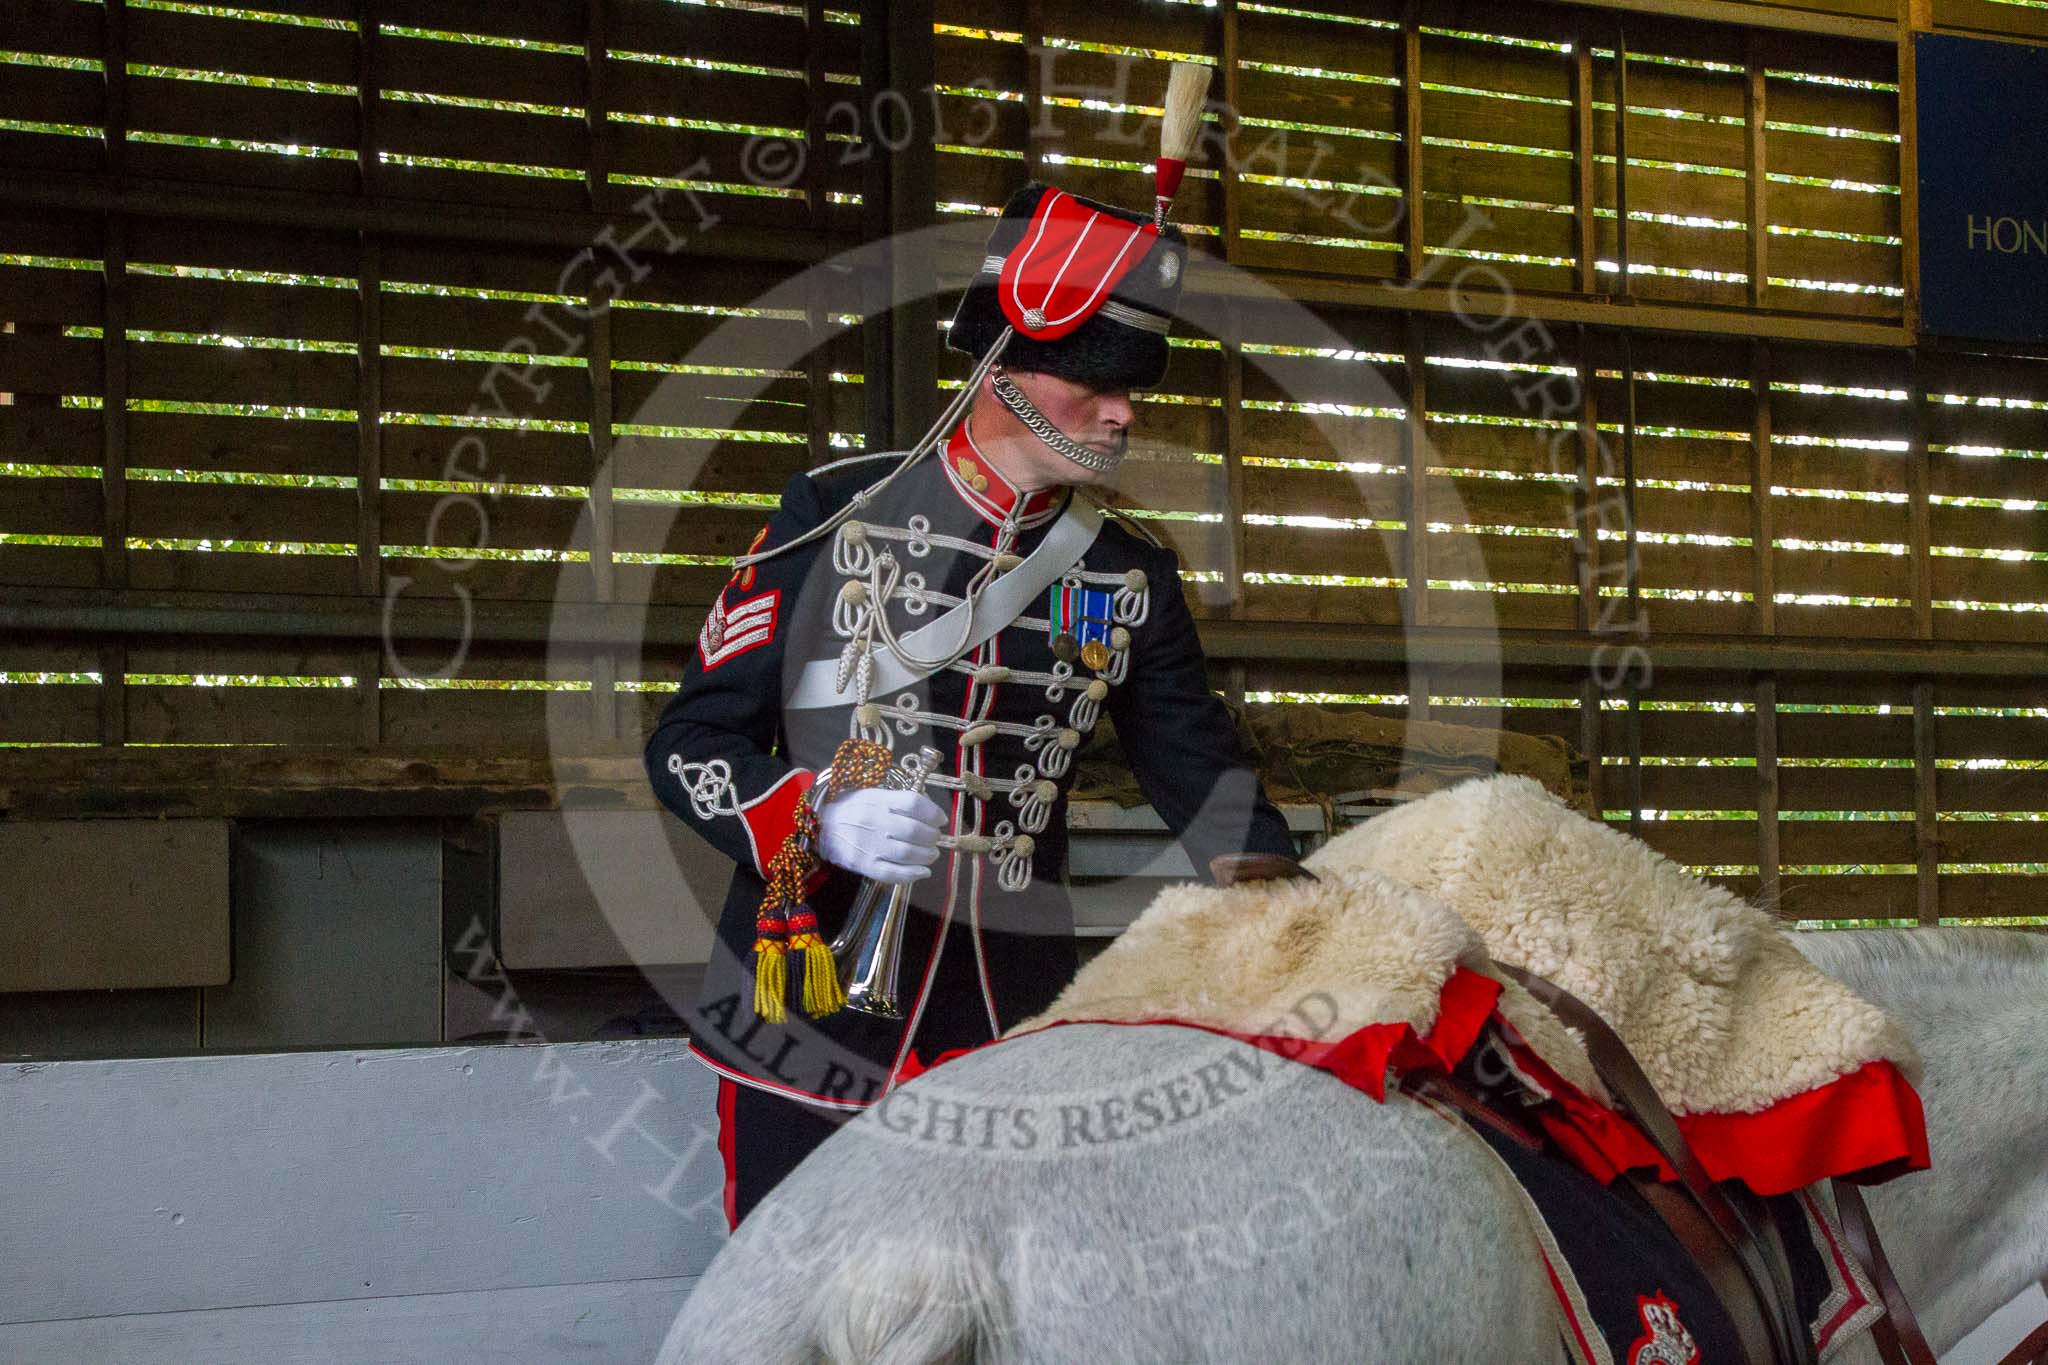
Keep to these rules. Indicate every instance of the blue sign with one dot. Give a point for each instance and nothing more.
(1983, 187)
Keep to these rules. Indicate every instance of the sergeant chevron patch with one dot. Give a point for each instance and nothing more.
(731, 631)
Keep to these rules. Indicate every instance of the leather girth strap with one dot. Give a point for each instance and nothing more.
(1741, 1231)
(1899, 1338)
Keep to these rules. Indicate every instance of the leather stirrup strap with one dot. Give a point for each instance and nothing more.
(1770, 1284)
(1899, 1338)
(2032, 1351)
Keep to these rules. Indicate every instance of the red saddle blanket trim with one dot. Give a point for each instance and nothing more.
(1360, 1059)
(1867, 1123)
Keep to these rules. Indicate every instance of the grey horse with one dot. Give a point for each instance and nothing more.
(1158, 1193)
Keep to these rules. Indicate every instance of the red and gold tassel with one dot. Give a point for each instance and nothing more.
(785, 924)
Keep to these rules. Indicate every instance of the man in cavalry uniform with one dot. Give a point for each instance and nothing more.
(961, 598)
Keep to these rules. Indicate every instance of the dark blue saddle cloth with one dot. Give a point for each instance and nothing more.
(1629, 1292)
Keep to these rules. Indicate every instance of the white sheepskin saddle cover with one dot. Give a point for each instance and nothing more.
(1707, 991)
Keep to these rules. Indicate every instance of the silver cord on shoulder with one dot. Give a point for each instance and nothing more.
(925, 445)
(1041, 426)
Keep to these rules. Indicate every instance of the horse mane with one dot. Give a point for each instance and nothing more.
(1931, 957)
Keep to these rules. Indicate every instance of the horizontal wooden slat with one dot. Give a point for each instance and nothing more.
(199, 41)
(189, 373)
(539, 21)
(205, 441)
(509, 137)
(56, 28)
(36, 506)
(46, 364)
(198, 108)
(49, 94)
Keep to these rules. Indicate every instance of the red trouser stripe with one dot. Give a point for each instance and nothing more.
(727, 1142)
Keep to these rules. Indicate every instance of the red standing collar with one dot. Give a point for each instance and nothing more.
(982, 486)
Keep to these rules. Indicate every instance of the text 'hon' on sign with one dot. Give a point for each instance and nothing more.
(1983, 187)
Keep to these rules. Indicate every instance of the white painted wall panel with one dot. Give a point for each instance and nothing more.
(184, 1183)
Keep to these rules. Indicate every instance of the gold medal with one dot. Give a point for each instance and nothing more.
(1095, 654)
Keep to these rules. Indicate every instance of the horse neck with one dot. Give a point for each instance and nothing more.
(1970, 1233)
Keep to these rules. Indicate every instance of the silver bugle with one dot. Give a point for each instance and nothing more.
(869, 950)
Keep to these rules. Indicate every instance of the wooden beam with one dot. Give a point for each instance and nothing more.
(369, 473)
(1864, 22)
(1926, 807)
(369, 95)
(818, 412)
(1415, 457)
(1919, 515)
(901, 338)
(1632, 551)
(369, 416)
(1591, 741)
(1632, 730)
(1585, 163)
(1412, 245)
(1763, 615)
(87, 193)
(604, 664)
(114, 404)
(1992, 18)
(1227, 128)
(1625, 287)
(1233, 462)
(369, 664)
(113, 564)
(817, 361)
(113, 712)
(114, 87)
(188, 782)
(818, 102)
(1756, 181)
(1768, 856)
(135, 611)
(1457, 295)
(1913, 16)
(597, 141)
(1587, 496)
(1035, 143)
(327, 211)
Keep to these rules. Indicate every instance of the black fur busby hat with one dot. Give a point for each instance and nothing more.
(1122, 345)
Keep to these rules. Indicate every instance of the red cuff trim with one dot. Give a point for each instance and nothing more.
(771, 817)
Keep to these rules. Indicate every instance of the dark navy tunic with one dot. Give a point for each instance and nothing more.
(990, 940)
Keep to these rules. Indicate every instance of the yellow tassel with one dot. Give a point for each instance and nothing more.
(770, 982)
(822, 995)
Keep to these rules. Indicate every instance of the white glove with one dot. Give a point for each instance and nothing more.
(888, 836)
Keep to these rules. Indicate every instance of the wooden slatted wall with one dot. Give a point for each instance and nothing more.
(1827, 540)
(316, 413)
